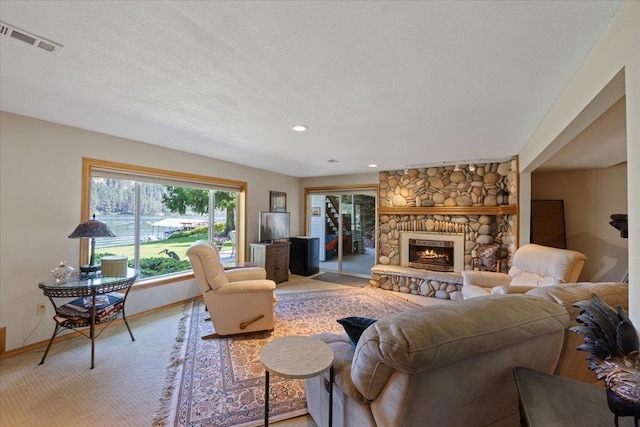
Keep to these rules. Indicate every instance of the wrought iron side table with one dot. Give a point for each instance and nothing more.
(88, 288)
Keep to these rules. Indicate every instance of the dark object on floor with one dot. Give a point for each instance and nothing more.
(614, 354)
(341, 279)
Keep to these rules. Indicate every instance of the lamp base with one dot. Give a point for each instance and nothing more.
(89, 270)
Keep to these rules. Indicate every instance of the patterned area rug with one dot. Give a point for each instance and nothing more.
(221, 382)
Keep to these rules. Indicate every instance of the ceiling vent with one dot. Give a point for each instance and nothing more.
(32, 39)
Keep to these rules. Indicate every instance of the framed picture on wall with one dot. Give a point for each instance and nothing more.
(278, 201)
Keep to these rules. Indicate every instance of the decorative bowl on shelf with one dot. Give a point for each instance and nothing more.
(62, 273)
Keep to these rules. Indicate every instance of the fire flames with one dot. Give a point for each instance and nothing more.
(431, 255)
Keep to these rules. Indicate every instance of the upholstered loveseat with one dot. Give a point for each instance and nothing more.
(448, 365)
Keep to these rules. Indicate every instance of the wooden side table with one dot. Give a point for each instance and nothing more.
(552, 400)
(296, 357)
(232, 265)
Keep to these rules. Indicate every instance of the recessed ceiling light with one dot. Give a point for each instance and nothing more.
(299, 128)
(373, 165)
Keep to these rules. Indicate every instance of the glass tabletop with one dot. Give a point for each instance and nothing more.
(78, 280)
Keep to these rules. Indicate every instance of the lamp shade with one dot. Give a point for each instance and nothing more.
(91, 228)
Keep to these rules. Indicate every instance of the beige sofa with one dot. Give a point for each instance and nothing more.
(573, 363)
(448, 365)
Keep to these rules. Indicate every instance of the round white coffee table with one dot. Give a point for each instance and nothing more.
(296, 357)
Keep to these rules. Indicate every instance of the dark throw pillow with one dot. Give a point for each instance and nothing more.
(355, 326)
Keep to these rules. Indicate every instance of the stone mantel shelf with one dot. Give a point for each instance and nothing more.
(470, 210)
(418, 273)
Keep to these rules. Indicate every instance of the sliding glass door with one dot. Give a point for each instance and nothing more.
(345, 224)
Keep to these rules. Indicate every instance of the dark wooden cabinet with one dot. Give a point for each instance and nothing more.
(273, 257)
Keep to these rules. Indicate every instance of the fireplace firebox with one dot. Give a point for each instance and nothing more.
(433, 255)
(442, 252)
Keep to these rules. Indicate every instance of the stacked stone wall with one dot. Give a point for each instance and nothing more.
(464, 186)
(490, 184)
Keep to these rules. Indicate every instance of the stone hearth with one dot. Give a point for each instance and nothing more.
(417, 281)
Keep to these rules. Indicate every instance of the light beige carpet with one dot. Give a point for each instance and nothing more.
(122, 390)
(126, 386)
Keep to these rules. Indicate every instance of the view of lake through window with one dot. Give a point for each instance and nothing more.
(155, 224)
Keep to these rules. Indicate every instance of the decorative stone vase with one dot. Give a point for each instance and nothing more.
(62, 273)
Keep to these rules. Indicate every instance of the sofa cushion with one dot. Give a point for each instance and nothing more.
(355, 326)
(430, 338)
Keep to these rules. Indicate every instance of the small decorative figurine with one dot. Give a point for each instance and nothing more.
(62, 273)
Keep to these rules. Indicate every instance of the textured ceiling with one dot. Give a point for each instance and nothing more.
(392, 83)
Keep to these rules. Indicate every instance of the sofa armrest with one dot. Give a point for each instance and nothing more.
(246, 273)
(485, 279)
(342, 357)
(511, 289)
(246, 286)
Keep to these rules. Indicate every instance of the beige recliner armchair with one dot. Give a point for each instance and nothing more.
(533, 266)
(239, 300)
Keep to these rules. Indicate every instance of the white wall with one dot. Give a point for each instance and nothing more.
(40, 183)
(616, 50)
(590, 198)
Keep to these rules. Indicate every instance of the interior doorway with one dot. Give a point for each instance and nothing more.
(345, 223)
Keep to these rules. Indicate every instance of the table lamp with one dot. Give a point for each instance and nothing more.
(90, 229)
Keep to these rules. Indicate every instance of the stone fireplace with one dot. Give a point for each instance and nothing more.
(473, 205)
(441, 252)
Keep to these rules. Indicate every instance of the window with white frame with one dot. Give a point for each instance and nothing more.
(156, 215)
